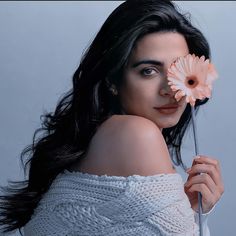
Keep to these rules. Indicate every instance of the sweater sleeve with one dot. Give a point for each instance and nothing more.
(160, 203)
(143, 197)
(205, 228)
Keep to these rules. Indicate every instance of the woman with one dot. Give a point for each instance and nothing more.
(103, 165)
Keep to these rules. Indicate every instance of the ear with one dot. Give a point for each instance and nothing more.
(107, 82)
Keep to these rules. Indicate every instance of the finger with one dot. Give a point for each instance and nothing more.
(202, 179)
(203, 189)
(207, 196)
(206, 168)
(207, 160)
(210, 161)
(191, 175)
(213, 173)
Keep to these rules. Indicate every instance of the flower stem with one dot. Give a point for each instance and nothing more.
(196, 153)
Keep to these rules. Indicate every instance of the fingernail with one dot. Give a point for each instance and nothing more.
(196, 157)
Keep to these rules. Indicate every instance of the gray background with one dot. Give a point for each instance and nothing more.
(40, 47)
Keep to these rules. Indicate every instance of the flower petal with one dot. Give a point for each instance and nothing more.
(179, 95)
(192, 77)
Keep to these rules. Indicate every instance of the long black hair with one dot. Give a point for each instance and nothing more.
(65, 134)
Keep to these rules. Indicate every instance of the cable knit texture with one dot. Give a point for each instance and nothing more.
(82, 204)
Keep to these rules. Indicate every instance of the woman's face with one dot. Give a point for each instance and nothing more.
(145, 83)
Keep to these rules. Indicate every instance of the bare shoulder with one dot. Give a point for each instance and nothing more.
(126, 144)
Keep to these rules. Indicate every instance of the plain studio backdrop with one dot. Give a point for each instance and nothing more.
(41, 44)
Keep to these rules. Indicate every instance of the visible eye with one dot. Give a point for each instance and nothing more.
(148, 71)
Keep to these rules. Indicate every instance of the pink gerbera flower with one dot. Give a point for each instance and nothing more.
(192, 77)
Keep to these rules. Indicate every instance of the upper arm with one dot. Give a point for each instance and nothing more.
(133, 145)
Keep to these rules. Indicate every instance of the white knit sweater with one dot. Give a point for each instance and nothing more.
(81, 204)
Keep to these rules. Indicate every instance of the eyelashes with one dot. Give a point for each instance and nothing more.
(149, 71)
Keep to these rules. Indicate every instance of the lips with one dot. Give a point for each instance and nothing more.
(168, 106)
(167, 109)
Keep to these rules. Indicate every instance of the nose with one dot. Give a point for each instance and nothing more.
(166, 90)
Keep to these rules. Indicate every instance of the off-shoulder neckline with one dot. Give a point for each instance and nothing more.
(85, 175)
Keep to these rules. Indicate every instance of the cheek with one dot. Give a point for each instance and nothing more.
(137, 92)
(137, 86)
(184, 105)
(129, 95)
(135, 95)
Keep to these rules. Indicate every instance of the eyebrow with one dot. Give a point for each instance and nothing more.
(153, 62)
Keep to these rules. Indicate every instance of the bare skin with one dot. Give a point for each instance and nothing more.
(125, 145)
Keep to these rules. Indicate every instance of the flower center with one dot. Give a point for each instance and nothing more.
(191, 81)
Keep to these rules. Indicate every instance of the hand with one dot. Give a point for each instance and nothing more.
(209, 183)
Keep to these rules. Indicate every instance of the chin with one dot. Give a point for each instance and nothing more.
(165, 125)
(169, 126)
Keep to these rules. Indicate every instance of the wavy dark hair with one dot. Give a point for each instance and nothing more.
(65, 134)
